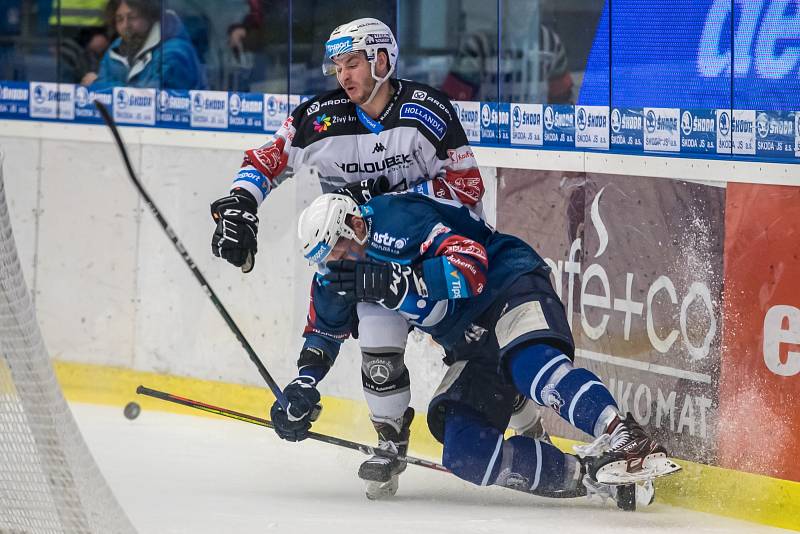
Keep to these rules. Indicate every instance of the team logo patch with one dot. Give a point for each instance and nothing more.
(313, 108)
(419, 95)
(551, 397)
(428, 118)
(322, 123)
(378, 38)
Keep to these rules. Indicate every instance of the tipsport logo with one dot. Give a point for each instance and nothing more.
(335, 47)
(322, 123)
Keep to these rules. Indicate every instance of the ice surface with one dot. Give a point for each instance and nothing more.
(176, 474)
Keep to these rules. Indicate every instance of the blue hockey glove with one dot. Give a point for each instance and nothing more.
(237, 226)
(294, 423)
(386, 284)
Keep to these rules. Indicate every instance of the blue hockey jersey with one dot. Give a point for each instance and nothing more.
(464, 262)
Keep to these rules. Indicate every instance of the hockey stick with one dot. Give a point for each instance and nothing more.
(366, 449)
(273, 386)
(339, 442)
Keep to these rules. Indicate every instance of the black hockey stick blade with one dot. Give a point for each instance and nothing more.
(332, 440)
(262, 370)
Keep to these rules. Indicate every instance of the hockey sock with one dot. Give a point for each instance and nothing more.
(546, 375)
(477, 453)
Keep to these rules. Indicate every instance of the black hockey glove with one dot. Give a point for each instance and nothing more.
(386, 284)
(363, 191)
(237, 226)
(294, 423)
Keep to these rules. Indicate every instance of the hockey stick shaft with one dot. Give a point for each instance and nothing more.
(366, 449)
(262, 370)
(339, 442)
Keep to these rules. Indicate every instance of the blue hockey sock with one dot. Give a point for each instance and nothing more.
(477, 453)
(546, 375)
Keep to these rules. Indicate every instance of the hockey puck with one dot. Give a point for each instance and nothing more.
(132, 410)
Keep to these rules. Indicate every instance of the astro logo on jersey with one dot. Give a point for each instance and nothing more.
(322, 123)
(428, 118)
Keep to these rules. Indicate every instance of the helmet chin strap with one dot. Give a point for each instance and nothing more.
(378, 81)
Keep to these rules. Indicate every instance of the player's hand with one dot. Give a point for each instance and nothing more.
(386, 284)
(303, 408)
(364, 191)
(234, 237)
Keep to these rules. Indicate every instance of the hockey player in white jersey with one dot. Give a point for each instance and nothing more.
(375, 133)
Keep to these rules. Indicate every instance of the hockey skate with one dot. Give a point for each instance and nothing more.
(380, 472)
(627, 497)
(625, 455)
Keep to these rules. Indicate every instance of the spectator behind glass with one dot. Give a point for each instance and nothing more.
(83, 32)
(474, 75)
(148, 52)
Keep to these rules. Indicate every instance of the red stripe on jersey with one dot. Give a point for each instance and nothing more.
(467, 184)
(469, 258)
(270, 160)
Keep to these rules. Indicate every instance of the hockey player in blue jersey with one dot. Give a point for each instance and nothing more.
(486, 297)
(372, 134)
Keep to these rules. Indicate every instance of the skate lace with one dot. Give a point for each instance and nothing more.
(595, 448)
(385, 445)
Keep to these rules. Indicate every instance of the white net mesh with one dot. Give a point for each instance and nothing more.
(49, 482)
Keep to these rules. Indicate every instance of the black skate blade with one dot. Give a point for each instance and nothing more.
(655, 466)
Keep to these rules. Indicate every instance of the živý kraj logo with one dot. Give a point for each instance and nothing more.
(322, 123)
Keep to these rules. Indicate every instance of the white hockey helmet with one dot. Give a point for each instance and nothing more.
(367, 35)
(323, 222)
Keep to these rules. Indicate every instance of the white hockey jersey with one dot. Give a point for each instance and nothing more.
(417, 142)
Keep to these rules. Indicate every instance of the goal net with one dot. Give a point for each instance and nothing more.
(49, 482)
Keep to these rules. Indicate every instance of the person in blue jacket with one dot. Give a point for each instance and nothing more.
(486, 297)
(151, 50)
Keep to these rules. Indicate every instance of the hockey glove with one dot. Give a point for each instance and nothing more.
(294, 423)
(234, 237)
(386, 284)
(363, 191)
